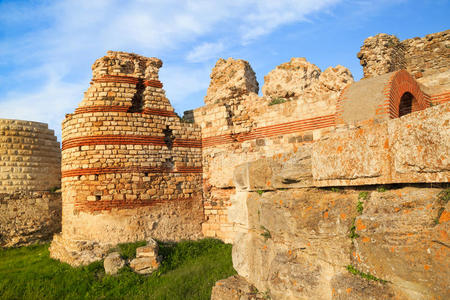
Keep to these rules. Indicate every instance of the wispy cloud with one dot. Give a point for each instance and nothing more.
(46, 47)
(205, 51)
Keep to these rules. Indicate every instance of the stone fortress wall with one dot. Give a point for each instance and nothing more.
(131, 169)
(380, 220)
(301, 105)
(30, 162)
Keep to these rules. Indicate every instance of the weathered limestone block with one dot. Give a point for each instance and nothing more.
(235, 288)
(147, 259)
(280, 171)
(356, 155)
(346, 286)
(113, 263)
(296, 239)
(403, 240)
(231, 78)
(420, 145)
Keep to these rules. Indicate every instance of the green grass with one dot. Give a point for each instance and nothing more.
(367, 276)
(189, 270)
(266, 234)
(275, 101)
(353, 234)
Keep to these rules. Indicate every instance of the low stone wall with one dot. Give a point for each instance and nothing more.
(29, 217)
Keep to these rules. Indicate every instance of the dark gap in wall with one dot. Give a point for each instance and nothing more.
(137, 102)
(168, 137)
(405, 106)
(168, 164)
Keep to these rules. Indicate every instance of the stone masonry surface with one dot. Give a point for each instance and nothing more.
(29, 217)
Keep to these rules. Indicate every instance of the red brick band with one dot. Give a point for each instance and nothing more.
(120, 170)
(101, 205)
(122, 108)
(440, 98)
(128, 79)
(272, 130)
(127, 140)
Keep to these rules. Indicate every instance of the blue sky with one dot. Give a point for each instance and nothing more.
(47, 47)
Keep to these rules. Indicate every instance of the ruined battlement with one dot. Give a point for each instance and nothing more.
(117, 63)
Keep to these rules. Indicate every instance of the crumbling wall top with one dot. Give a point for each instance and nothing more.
(421, 57)
(230, 79)
(126, 64)
(300, 79)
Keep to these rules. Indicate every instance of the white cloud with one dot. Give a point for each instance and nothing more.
(48, 104)
(56, 41)
(205, 51)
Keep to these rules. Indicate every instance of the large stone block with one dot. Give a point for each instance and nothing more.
(413, 148)
(292, 169)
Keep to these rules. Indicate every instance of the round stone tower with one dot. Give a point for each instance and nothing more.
(30, 174)
(30, 157)
(131, 169)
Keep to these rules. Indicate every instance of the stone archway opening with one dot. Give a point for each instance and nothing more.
(406, 104)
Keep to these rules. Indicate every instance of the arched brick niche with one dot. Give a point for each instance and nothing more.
(384, 97)
(403, 95)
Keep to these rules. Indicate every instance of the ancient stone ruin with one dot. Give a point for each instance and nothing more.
(30, 164)
(327, 188)
(131, 170)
